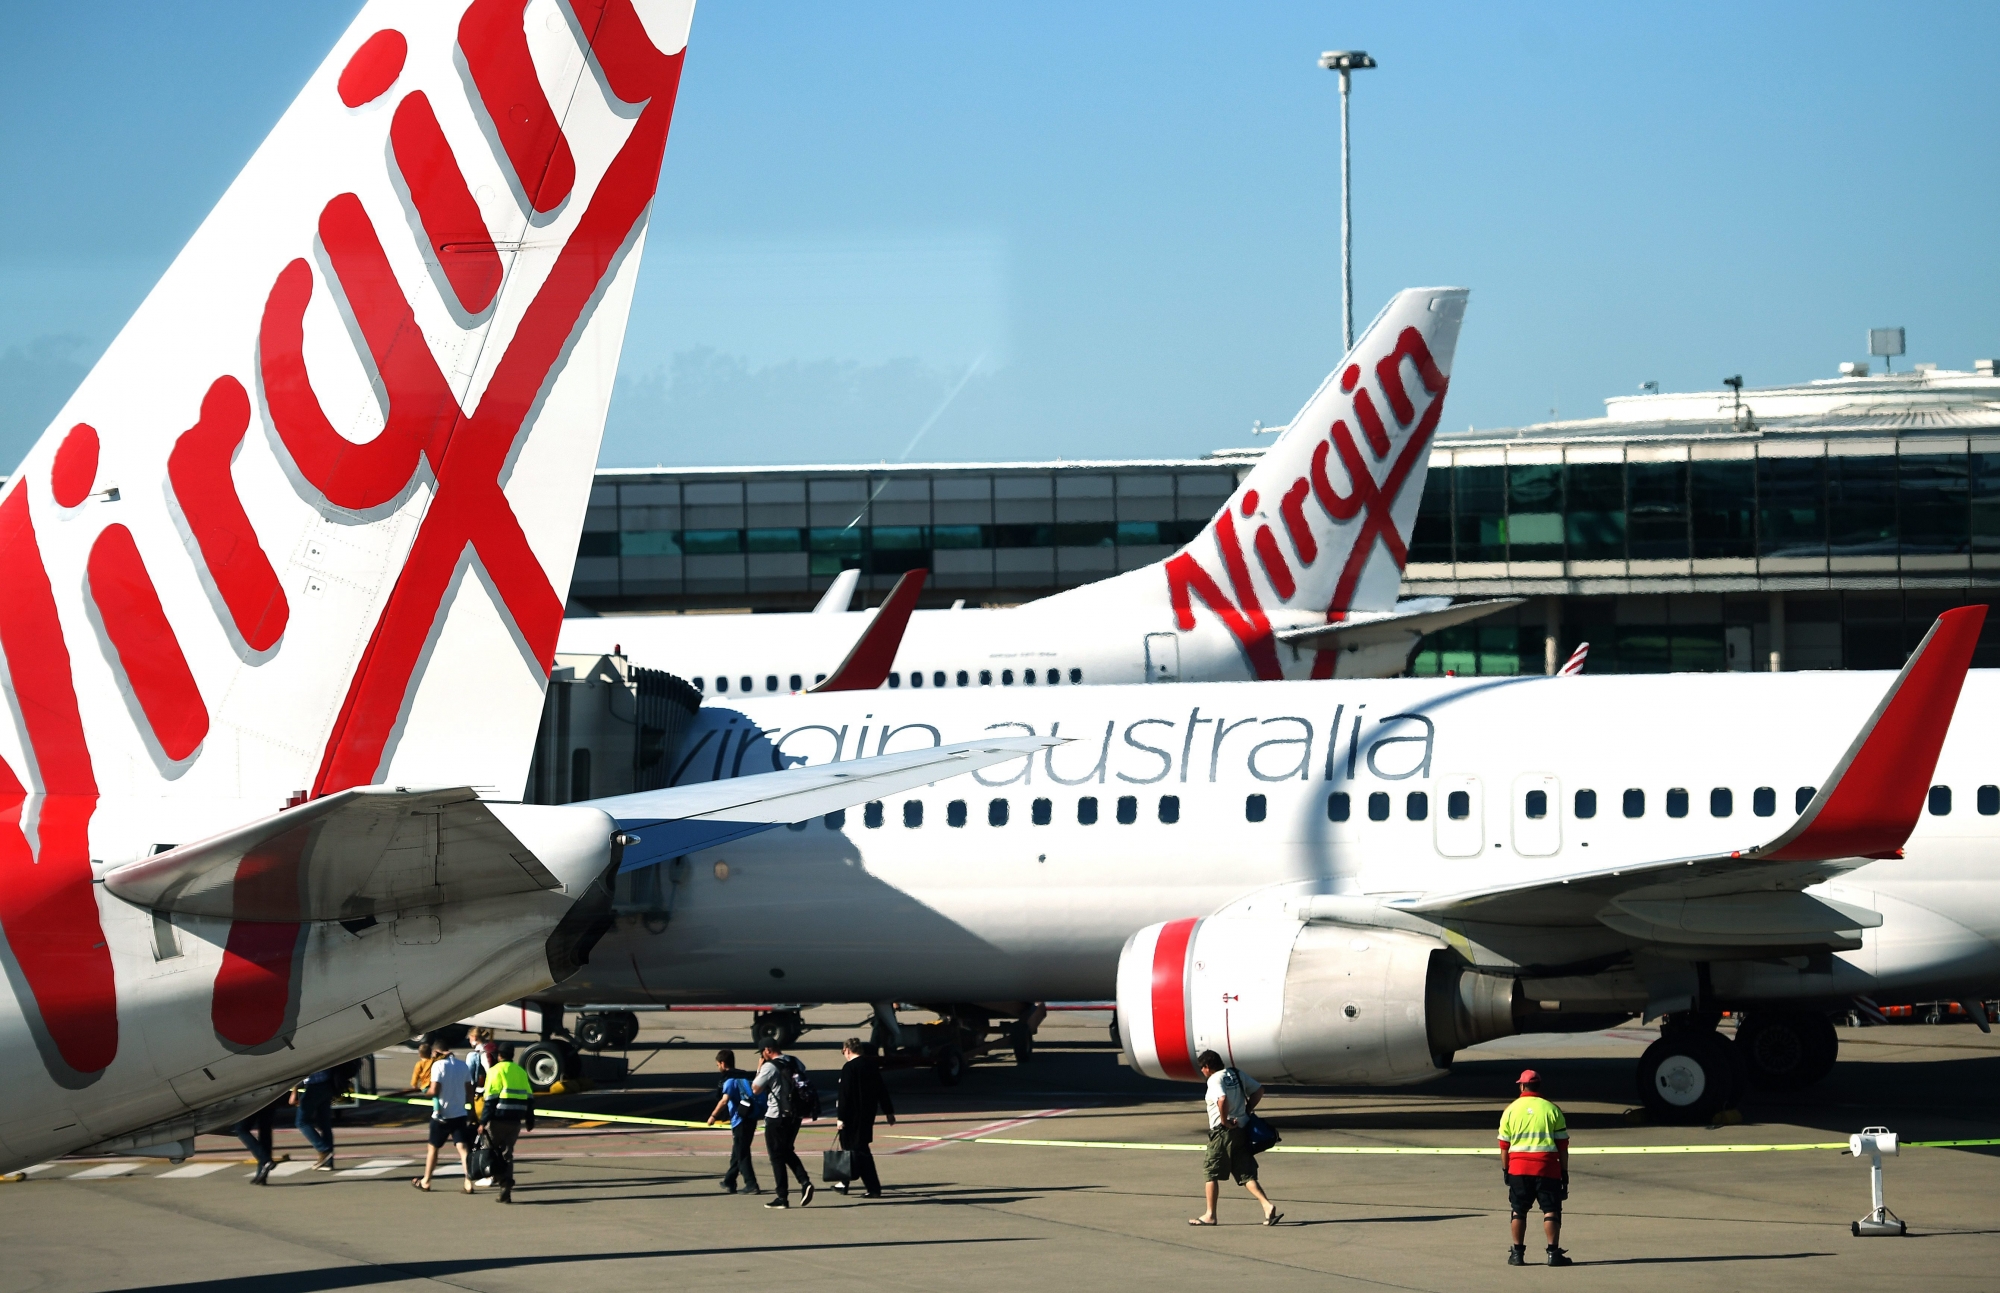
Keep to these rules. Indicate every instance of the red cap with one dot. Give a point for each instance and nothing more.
(1528, 1078)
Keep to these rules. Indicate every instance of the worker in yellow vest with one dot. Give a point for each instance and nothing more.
(510, 1110)
(1534, 1161)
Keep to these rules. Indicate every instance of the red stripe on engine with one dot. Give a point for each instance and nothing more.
(1170, 1014)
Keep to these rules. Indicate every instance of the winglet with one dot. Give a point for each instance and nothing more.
(867, 665)
(1871, 803)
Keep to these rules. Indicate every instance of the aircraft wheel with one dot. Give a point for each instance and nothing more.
(1786, 1050)
(547, 1063)
(625, 1028)
(950, 1066)
(596, 1032)
(1688, 1076)
(780, 1026)
(1116, 1040)
(1024, 1046)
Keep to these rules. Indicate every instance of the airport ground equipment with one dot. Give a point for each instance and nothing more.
(1875, 1142)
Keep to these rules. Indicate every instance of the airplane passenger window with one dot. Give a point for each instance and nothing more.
(770, 682)
(748, 684)
(818, 678)
(1417, 805)
(1076, 675)
(1535, 804)
(1028, 677)
(1763, 801)
(798, 683)
(996, 812)
(913, 812)
(1586, 803)
(1086, 811)
(954, 813)
(1989, 800)
(698, 685)
(1635, 803)
(722, 684)
(836, 819)
(895, 679)
(1253, 808)
(1128, 809)
(986, 677)
(963, 679)
(1006, 677)
(1041, 812)
(937, 679)
(1170, 809)
(1055, 676)
(916, 677)
(1458, 805)
(1940, 801)
(1337, 806)
(1677, 802)
(1721, 802)
(1803, 797)
(871, 814)
(1378, 807)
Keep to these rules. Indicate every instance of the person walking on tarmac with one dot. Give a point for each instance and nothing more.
(742, 1107)
(1230, 1097)
(863, 1094)
(782, 1082)
(450, 1090)
(314, 1100)
(510, 1110)
(1534, 1161)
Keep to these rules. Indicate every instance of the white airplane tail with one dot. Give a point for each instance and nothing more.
(309, 523)
(1321, 526)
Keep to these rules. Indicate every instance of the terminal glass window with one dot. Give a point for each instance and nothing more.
(1431, 539)
(1170, 809)
(1596, 511)
(1534, 512)
(1861, 506)
(1128, 809)
(1378, 807)
(954, 813)
(1933, 497)
(1791, 507)
(1586, 803)
(1985, 489)
(1086, 811)
(1253, 808)
(1482, 513)
(1338, 806)
(1657, 510)
(1723, 508)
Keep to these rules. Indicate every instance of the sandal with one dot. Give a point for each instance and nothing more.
(420, 1183)
(1275, 1217)
(1197, 1221)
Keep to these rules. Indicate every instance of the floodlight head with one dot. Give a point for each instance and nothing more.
(1345, 60)
(1734, 383)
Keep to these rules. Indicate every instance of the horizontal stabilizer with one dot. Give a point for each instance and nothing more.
(1390, 626)
(1866, 809)
(663, 824)
(363, 852)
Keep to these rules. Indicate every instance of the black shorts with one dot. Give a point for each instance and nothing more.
(1523, 1191)
(448, 1129)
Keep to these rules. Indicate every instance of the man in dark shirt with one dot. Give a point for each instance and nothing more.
(863, 1094)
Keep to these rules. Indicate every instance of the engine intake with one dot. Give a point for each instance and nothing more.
(1298, 1002)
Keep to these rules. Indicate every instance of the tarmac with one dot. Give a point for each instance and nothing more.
(984, 1190)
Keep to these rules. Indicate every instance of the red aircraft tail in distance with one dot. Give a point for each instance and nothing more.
(867, 664)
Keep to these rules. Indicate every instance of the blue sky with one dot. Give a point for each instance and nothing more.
(1112, 230)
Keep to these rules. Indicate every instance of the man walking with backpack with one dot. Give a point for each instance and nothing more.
(789, 1099)
(742, 1107)
(1230, 1098)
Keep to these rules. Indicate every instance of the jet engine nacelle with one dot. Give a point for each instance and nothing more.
(1305, 1002)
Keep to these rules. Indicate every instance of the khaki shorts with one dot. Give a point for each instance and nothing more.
(1229, 1156)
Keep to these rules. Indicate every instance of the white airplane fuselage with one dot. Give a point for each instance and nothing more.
(847, 910)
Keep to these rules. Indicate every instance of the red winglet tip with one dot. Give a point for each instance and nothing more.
(867, 665)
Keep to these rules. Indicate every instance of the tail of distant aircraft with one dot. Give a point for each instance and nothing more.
(309, 523)
(1321, 526)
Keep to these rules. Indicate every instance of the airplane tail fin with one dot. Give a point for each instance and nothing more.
(310, 521)
(1321, 525)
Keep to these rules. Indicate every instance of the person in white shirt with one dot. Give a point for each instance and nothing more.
(1230, 1098)
(451, 1091)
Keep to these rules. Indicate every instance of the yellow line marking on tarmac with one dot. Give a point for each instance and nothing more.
(1462, 1151)
(593, 1119)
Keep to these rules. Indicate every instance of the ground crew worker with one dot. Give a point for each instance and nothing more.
(1534, 1161)
(510, 1110)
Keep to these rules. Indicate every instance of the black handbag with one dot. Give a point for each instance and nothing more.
(479, 1159)
(836, 1165)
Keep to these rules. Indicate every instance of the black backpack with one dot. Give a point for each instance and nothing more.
(798, 1098)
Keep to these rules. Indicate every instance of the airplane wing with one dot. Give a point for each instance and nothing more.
(1391, 626)
(1750, 896)
(663, 824)
(867, 664)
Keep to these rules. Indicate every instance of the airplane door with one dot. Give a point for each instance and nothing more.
(1163, 657)
(1537, 815)
(1461, 826)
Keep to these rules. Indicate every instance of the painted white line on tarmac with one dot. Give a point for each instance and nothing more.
(375, 1167)
(991, 1128)
(191, 1171)
(103, 1171)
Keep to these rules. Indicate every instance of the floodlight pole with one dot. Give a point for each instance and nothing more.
(1346, 62)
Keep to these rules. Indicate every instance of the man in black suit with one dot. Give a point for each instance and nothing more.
(863, 1094)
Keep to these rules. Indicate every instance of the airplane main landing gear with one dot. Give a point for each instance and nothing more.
(778, 1028)
(1786, 1050)
(609, 1030)
(1690, 1074)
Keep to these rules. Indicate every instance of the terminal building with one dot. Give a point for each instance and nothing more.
(1816, 526)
